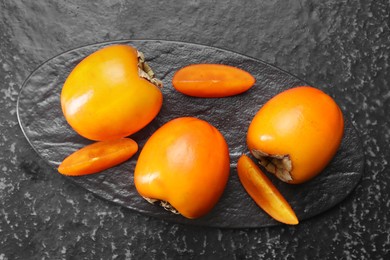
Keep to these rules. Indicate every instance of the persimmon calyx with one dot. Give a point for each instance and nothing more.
(279, 165)
(146, 72)
(165, 204)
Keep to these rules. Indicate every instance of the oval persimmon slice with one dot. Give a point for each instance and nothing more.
(212, 80)
(98, 156)
(263, 192)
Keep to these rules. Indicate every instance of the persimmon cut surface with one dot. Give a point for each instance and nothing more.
(111, 94)
(98, 156)
(212, 80)
(296, 133)
(263, 192)
(184, 166)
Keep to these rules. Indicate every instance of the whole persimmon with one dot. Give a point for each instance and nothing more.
(296, 133)
(111, 94)
(185, 166)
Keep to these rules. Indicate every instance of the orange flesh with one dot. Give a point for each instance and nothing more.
(98, 157)
(212, 80)
(263, 192)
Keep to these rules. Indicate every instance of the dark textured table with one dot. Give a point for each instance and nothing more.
(338, 44)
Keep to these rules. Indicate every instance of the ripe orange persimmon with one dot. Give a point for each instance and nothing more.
(98, 156)
(212, 80)
(110, 94)
(296, 133)
(184, 166)
(263, 192)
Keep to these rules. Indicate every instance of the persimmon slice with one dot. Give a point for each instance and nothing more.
(263, 192)
(212, 80)
(98, 156)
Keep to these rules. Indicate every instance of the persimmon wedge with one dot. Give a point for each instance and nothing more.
(263, 192)
(98, 156)
(212, 80)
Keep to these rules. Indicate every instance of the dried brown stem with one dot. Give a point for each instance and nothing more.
(165, 204)
(279, 165)
(146, 72)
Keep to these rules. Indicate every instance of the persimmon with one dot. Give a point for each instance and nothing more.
(263, 192)
(296, 133)
(212, 80)
(111, 94)
(184, 166)
(98, 156)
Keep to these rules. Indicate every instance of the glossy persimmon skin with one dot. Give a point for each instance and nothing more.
(104, 98)
(98, 157)
(263, 192)
(304, 123)
(186, 163)
(212, 80)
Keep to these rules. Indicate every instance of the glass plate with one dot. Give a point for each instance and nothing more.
(45, 128)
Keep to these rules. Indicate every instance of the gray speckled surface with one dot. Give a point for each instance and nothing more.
(341, 44)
